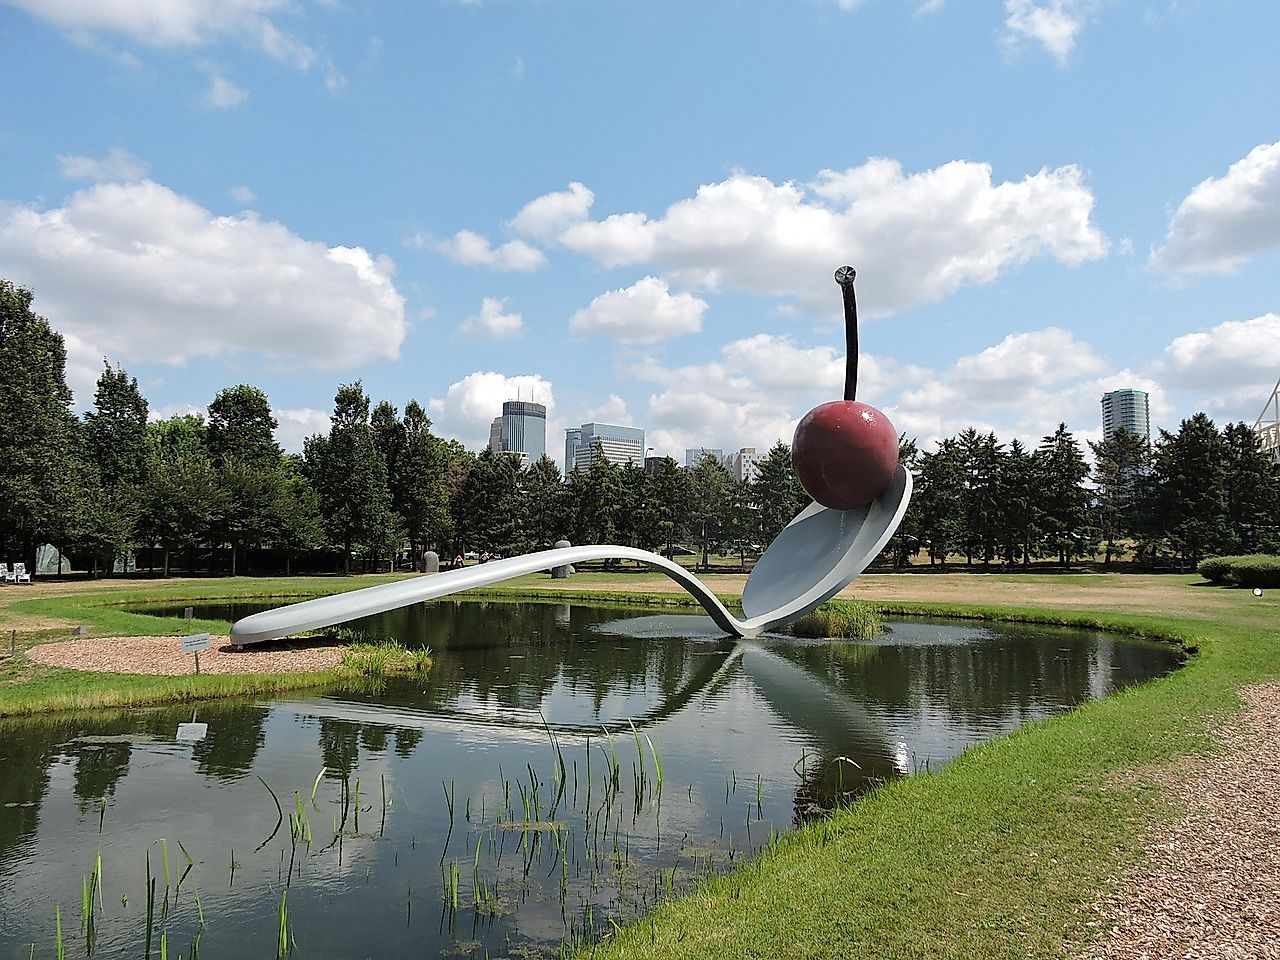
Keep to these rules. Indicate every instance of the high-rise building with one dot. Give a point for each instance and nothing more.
(1125, 410)
(743, 464)
(693, 454)
(618, 444)
(522, 430)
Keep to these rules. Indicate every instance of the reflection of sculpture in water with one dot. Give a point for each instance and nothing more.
(818, 554)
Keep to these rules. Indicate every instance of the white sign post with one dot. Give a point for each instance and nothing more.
(194, 644)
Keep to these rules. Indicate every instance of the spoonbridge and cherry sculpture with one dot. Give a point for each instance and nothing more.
(845, 456)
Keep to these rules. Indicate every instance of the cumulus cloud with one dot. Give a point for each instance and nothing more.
(1053, 24)
(146, 274)
(295, 425)
(492, 322)
(645, 312)
(118, 165)
(549, 214)
(1231, 356)
(474, 250)
(185, 25)
(914, 237)
(223, 94)
(467, 409)
(1224, 221)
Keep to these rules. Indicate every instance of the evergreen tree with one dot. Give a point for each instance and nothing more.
(1020, 491)
(418, 492)
(595, 501)
(777, 491)
(944, 478)
(1190, 483)
(489, 516)
(38, 446)
(983, 515)
(671, 498)
(1251, 489)
(1064, 501)
(1120, 464)
(115, 443)
(711, 485)
(544, 499)
(742, 520)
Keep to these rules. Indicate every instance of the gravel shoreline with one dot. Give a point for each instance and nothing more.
(1210, 889)
(163, 656)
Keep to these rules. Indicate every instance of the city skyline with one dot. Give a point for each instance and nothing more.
(464, 202)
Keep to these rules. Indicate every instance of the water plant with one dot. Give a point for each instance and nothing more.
(841, 619)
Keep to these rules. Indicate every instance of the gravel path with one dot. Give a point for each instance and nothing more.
(1211, 888)
(164, 656)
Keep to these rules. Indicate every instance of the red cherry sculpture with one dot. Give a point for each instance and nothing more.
(845, 452)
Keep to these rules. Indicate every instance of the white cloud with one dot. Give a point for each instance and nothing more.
(178, 23)
(491, 322)
(474, 250)
(549, 214)
(914, 238)
(171, 410)
(645, 312)
(1054, 24)
(1223, 222)
(118, 165)
(223, 94)
(146, 274)
(465, 412)
(243, 194)
(294, 426)
(613, 410)
(1231, 356)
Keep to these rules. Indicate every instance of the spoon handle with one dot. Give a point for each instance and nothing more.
(844, 277)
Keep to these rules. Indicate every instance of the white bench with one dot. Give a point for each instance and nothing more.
(20, 574)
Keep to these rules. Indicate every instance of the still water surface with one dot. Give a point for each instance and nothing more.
(510, 799)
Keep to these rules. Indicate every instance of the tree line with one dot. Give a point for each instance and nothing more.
(217, 493)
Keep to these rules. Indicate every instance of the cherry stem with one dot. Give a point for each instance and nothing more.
(844, 277)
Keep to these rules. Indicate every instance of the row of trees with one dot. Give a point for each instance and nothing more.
(214, 491)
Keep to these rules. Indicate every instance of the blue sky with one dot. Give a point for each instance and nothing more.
(633, 211)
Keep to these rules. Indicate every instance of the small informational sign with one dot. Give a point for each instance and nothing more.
(186, 613)
(195, 642)
(192, 732)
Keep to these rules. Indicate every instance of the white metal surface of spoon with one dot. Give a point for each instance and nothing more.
(816, 556)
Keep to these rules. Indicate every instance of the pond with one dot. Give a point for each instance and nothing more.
(561, 769)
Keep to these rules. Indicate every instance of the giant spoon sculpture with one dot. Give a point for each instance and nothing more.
(846, 457)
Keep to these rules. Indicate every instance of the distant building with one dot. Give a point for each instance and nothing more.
(693, 454)
(619, 444)
(1125, 410)
(743, 464)
(522, 430)
(653, 465)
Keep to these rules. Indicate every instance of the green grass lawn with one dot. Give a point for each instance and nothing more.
(999, 854)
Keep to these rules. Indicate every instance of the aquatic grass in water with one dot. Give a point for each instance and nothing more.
(840, 619)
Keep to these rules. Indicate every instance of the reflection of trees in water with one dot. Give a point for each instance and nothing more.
(27, 751)
(339, 745)
(236, 734)
(407, 740)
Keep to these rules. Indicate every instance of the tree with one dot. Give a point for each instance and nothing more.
(115, 444)
(241, 425)
(595, 499)
(350, 477)
(1020, 491)
(543, 500)
(943, 477)
(1064, 511)
(296, 515)
(711, 485)
(182, 496)
(671, 493)
(981, 501)
(905, 542)
(1120, 463)
(1251, 490)
(1190, 489)
(37, 429)
(777, 491)
(488, 516)
(419, 492)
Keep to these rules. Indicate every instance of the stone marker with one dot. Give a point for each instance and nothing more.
(431, 562)
(566, 570)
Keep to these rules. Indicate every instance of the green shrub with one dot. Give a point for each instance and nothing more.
(843, 619)
(1253, 570)
(379, 659)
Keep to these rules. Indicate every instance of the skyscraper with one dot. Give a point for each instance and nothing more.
(618, 444)
(522, 430)
(1125, 410)
(693, 454)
